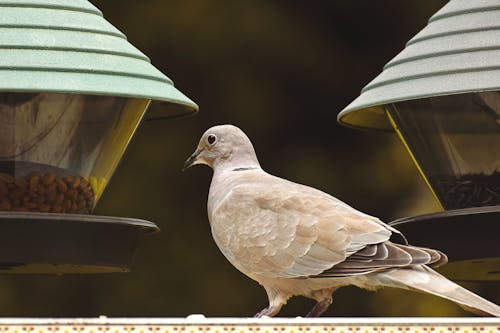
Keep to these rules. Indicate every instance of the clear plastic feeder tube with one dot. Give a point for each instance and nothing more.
(58, 151)
(455, 142)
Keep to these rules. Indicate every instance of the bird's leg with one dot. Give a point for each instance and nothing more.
(320, 307)
(276, 302)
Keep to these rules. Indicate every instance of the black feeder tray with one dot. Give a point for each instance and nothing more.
(469, 237)
(48, 243)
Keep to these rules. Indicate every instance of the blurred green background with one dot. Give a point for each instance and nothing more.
(280, 70)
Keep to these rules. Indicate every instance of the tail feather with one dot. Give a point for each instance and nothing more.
(424, 279)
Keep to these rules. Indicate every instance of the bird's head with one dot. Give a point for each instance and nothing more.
(224, 146)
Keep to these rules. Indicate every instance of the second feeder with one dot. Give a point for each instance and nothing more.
(441, 95)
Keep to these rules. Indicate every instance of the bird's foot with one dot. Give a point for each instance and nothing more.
(320, 307)
(270, 311)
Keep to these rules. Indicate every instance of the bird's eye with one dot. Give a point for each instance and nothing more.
(211, 139)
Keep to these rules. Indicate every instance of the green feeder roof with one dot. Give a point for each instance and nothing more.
(457, 52)
(66, 46)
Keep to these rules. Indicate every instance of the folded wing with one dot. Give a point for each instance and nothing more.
(276, 228)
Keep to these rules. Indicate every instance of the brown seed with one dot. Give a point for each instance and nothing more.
(34, 180)
(51, 194)
(30, 205)
(81, 205)
(16, 202)
(41, 189)
(59, 199)
(21, 183)
(4, 190)
(21, 209)
(16, 194)
(74, 207)
(67, 204)
(57, 209)
(69, 179)
(51, 187)
(44, 208)
(61, 185)
(48, 178)
(86, 191)
(69, 193)
(26, 198)
(89, 193)
(5, 205)
(6, 178)
(76, 182)
(40, 199)
(84, 183)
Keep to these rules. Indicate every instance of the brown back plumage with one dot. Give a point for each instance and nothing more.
(382, 256)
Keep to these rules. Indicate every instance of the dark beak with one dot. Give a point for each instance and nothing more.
(189, 162)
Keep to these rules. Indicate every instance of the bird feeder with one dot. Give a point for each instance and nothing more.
(73, 91)
(441, 95)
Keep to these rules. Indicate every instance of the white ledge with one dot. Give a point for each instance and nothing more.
(197, 320)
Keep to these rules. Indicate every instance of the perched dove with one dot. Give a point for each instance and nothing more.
(297, 240)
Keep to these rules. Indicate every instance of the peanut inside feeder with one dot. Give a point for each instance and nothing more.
(37, 192)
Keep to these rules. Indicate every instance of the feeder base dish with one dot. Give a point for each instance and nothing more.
(48, 243)
(468, 236)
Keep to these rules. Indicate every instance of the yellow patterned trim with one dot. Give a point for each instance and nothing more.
(200, 324)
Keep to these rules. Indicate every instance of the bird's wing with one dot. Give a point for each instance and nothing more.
(382, 256)
(276, 228)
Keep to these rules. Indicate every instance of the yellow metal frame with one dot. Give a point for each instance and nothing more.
(413, 158)
(200, 324)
